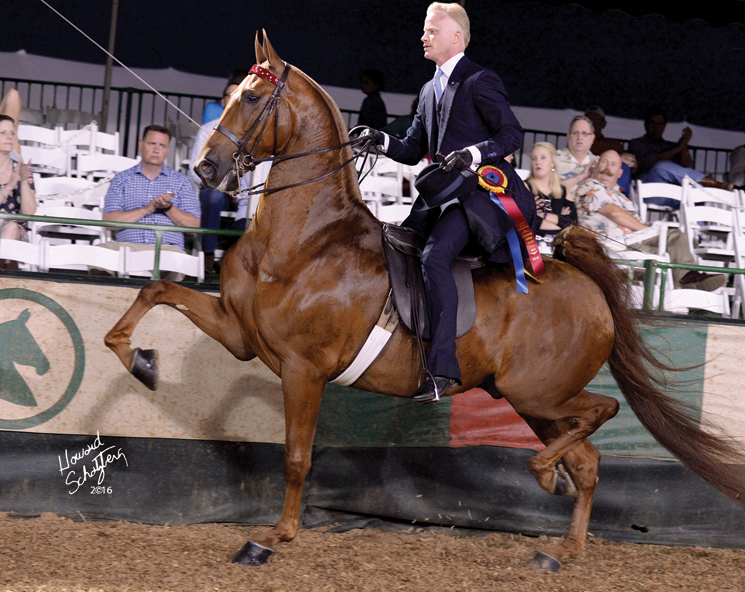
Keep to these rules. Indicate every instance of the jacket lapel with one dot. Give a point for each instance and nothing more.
(447, 97)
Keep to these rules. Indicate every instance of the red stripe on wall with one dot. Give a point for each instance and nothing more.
(477, 419)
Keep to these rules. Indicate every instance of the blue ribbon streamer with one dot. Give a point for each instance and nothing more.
(517, 256)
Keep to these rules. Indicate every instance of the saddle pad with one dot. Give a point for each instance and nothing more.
(407, 283)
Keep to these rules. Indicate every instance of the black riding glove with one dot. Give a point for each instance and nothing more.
(378, 137)
(458, 159)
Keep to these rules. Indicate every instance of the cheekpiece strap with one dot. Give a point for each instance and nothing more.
(264, 73)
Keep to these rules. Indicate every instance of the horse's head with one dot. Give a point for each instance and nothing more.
(18, 345)
(252, 125)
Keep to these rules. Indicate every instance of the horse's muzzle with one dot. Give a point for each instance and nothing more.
(207, 172)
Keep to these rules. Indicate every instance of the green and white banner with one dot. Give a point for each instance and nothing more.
(58, 377)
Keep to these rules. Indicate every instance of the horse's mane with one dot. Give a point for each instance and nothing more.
(341, 129)
(330, 103)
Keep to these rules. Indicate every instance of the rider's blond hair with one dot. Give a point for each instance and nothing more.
(457, 14)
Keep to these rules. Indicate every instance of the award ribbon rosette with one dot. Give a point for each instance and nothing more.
(494, 181)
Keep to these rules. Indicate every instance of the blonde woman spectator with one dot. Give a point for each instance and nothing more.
(555, 207)
(16, 187)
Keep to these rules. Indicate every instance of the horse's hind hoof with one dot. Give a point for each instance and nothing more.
(252, 554)
(544, 563)
(145, 367)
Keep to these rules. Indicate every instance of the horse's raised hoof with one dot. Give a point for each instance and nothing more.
(252, 554)
(145, 367)
(544, 563)
(564, 484)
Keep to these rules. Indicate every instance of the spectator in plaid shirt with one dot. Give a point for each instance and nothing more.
(152, 193)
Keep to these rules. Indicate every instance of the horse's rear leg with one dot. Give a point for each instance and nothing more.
(565, 440)
(203, 310)
(302, 398)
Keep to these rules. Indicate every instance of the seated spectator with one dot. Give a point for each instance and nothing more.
(212, 201)
(555, 208)
(736, 174)
(214, 109)
(602, 207)
(661, 161)
(597, 116)
(16, 188)
(11, 106)
(152, 193)
(576, 162)
(373, 112)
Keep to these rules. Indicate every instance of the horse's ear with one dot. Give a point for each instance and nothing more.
(24, 316)
(260, 57)
(271, 55)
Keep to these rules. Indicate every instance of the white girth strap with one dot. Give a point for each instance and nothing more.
(376, 341)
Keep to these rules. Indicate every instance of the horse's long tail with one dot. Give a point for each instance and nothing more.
(674, 424)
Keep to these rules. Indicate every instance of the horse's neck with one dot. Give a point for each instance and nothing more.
(301, 219)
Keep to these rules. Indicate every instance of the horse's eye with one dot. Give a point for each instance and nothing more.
(252, 98)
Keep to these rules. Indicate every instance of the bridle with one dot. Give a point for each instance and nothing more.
(244, 160)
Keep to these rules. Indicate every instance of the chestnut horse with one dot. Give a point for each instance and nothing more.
(305, 284)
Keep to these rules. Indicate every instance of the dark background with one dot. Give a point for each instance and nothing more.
(687, 56)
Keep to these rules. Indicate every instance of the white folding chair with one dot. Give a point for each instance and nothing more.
(71, 191)
(106, 143)
(142, 263)
(34, 135)
(30, 256)
(81, 257)
(647, 211)
(384, 183)
(49, 161)
(697, 195)
(709, 231)
(102, 166)
(683, 301)
(58, 231)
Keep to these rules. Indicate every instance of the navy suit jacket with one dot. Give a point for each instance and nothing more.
(473, 112)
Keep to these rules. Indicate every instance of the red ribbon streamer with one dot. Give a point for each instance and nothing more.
(534, 253)
(495, 181)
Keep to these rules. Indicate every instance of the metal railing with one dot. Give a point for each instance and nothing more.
(651, 266)
(132, 109)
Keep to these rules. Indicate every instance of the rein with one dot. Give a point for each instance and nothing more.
(247, 162)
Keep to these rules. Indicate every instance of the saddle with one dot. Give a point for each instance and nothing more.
(403, 253)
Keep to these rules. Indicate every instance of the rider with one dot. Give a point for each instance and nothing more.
(463, 113)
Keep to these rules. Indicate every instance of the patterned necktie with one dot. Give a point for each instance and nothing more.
(438, 85)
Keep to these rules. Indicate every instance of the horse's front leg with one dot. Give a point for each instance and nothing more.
(204, 310)
(302, 399)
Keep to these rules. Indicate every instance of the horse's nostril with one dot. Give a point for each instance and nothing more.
(205, 170)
